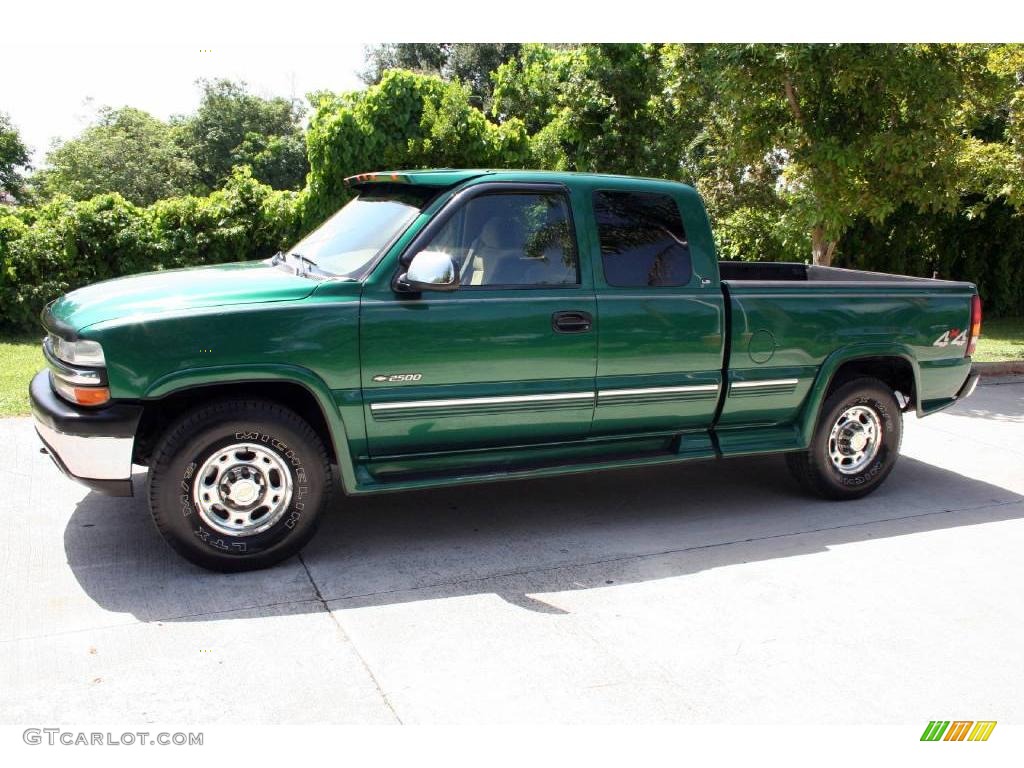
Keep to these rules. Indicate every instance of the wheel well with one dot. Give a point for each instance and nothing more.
(157, 415)
(896, 372)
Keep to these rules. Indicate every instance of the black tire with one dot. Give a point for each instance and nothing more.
(295, 483)
(815, 469)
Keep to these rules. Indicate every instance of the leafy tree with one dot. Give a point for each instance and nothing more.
(857, 130)
(127, 151)
(233, 127)
(408, 120)
(604, 107)
(469, 63)
(14, 159)
(992, 154)
(424, 58)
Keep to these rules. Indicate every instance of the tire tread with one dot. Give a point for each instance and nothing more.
(203, 417)
(807, 468)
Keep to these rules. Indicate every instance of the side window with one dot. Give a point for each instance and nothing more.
(511, 239)
(643, 242)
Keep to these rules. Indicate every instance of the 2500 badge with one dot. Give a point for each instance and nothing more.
(395, 378)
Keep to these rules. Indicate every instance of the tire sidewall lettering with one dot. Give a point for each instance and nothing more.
(244, 545)
(869, 475)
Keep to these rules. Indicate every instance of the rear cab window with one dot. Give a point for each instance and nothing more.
(643, 241)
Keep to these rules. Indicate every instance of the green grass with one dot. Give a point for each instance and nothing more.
(1001, 339)
(20, 358)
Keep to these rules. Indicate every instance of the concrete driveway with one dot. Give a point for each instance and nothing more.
(710, 592)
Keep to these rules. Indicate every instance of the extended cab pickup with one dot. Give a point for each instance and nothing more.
(459, 326)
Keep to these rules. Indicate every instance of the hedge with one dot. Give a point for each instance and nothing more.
(63, 245)
(987, 250)
(408, 120)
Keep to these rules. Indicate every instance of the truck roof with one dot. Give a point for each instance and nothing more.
(444, 177)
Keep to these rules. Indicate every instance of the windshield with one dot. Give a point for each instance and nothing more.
(348, 242)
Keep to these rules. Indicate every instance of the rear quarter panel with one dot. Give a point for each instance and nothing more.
(805, 331)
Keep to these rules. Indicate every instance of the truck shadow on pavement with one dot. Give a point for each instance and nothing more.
(524, 541)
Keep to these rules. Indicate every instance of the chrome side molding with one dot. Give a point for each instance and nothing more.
(764, 383)
(472, 401)
(658, 390)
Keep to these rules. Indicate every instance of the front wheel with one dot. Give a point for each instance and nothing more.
(856, 442)
(239, 485)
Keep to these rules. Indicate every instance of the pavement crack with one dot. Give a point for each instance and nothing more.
(345, 636)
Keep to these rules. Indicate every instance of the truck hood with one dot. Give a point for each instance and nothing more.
(178, 290)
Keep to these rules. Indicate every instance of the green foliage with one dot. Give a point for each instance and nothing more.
(468, 63)
(20, 358)
(1001, 339)
(233, 127)
(595, 108)
(991, 160)
(407, 121)
(126, 151)
(987, 250)
(861, 129)
(71, 243)
(13, 158)
(145, 159)
(902, 158)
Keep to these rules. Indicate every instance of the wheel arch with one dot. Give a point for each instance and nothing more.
(893, 364)
(296, 388)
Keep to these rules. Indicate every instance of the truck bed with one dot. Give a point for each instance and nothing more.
(785, 321)
(779, 271)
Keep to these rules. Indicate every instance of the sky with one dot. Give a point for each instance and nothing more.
(149, 55)
(52, 102)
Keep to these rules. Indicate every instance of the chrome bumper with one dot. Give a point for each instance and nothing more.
(96, 458)
(969, 386)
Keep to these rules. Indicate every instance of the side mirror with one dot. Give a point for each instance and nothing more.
(430, 271)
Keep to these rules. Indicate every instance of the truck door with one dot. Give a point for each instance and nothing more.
(661, 321)
(506, 359)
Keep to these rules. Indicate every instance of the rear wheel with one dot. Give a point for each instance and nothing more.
(856, 442)
(239, 485)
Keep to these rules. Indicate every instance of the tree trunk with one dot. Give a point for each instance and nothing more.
(821, 247)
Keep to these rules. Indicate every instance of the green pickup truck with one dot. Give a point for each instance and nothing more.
(459, 326)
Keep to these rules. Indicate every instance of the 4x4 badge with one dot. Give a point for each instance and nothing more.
(954, 337)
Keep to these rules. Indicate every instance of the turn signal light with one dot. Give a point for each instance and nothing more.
(91, 395)
(79, 395)
(972, 339)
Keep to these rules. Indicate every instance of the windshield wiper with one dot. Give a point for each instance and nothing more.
(310, 264)
(305, 266)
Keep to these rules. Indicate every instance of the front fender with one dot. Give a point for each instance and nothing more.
(191, 378)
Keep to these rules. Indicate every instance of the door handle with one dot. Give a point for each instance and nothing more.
(571, 322)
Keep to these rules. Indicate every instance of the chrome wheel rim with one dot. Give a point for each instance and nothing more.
(242, 489)
(855, 439)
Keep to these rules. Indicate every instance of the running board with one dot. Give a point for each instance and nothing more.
(401, 473)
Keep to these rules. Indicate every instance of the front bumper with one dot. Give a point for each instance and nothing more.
(91, 446)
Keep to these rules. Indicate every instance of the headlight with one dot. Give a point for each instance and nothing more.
(77, 371)
(81, 352)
